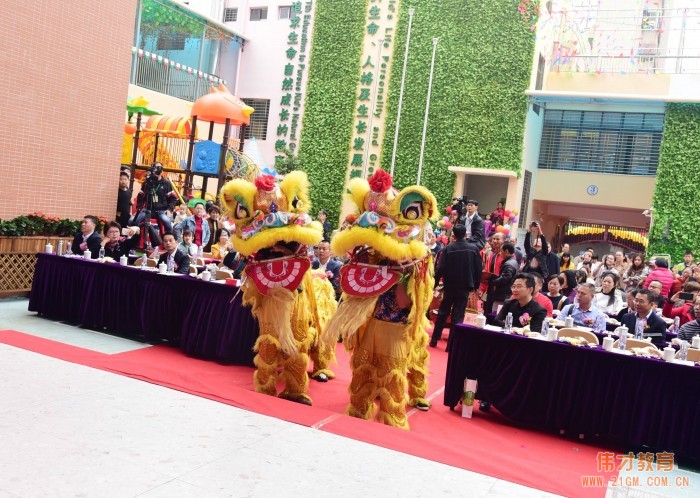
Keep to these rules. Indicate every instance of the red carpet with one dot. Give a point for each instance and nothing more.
(488, 444)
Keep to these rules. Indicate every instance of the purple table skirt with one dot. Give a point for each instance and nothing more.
(631, 401)
(197, 315)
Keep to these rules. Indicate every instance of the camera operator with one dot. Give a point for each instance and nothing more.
(157, 198)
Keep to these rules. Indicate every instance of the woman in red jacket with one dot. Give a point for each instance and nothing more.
(663, 275)
(685, 310)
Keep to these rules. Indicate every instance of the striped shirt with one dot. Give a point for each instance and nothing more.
(689, 330)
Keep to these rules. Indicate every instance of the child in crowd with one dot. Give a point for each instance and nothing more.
(187, 245)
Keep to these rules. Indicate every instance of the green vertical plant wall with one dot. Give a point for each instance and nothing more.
(477, 108)
(676, 199)
(330, 99)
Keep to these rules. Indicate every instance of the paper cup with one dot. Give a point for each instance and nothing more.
(123, 261)
(206, 275)
(669, 354)
(608, 343)
(162, 268)
(696, 342)
(552, 334)
(569, 322)
(468, 397)
(481, 321)
(87, 255)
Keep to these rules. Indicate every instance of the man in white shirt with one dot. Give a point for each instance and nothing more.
(474, 225)
(325, 263)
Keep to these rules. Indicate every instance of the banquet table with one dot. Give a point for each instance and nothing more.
(631, 401)
(198, 316)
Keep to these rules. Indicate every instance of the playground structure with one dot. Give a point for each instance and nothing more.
(174, 141)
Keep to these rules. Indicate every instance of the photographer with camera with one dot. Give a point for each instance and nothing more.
(157, 198)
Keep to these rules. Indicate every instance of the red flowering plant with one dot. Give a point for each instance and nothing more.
(39, 224)
(265, 183)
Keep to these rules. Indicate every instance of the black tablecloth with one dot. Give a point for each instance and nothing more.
(633, 401)
(179, 308)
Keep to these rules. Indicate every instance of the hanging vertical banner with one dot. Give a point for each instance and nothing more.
(293, 81)
(375, 70)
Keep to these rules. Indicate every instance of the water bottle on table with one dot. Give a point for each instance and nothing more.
(156, 253)
(639, 330)
(508, 327)
(144, 261)
(59, 251)
(170, 267)
(101, 254)
(683, 352)
(622, 341)
(545, 327)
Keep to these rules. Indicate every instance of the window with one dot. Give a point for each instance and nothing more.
(525, 200)
(601, 142)
(258, 120)
(285, 12)
(171, 41)
(230, 15)
(258, 14)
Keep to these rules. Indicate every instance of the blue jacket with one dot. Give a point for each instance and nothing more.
(189, 224)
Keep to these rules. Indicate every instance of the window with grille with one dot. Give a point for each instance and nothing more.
(285, 12)
(525, 200)
(171, 41)
(620, 143)
(258, 119)
(258, 14)
(230, 15)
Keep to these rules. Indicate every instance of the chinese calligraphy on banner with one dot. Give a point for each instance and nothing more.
(375, 70)
(293, 83)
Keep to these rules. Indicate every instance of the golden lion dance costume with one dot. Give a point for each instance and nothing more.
(290, 302)
(389, 263)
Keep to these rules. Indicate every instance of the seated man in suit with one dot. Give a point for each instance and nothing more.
(180, 261)
(87, 239)
(323, 261)
(652, 325)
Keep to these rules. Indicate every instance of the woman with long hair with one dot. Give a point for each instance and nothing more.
(606, 266)
(609, 298)
(636, 274)
(569, 284)
(565, 262)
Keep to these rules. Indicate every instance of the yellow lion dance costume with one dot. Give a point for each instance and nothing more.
(290, 302)
(387, 288)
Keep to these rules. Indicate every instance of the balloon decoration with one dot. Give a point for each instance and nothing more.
(129, 128)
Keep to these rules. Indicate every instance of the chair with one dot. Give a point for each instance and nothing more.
(193, 270)
(635, 343)
(151, 263)
(590, 337)
(200, 262)
(223, 274)
(693, 354)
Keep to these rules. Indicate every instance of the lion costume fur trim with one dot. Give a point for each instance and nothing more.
(274, 313)
(391, 248)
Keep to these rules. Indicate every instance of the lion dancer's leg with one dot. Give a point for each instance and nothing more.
(392, 399)
(296, 378)
(363, 387)
(266, 361)
(321, 355)
(294, 367)
(322, 305)
(418, 372)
